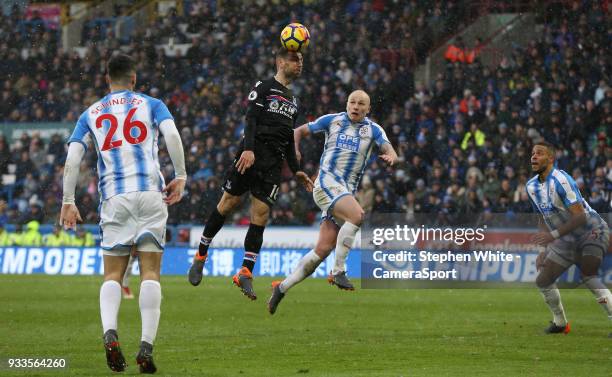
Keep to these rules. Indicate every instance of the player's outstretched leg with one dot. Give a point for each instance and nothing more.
(305, 267)
(212, 227)
(328, 232)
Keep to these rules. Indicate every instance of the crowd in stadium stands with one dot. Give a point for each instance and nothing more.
(29, 235)
(464, 140)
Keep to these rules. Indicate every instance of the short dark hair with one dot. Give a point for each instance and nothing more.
(283, 53)
(120, 67)
(547, 145)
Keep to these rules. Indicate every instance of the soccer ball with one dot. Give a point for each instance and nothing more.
(295, 37)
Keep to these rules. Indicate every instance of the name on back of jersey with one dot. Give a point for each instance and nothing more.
(116, 101)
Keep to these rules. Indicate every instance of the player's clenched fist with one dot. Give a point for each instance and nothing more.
(69, 216)
(247, 159)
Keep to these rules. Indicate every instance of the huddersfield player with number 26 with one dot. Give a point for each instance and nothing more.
(125, 128)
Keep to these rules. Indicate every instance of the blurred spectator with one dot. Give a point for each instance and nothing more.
(82, 238)
(5, 237)
(57, 238)
(31, 237)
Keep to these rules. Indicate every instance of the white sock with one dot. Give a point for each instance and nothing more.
(305, 267)
(128, 272)
(150, 303)
(552, 297)
(110, 299)
(346, 236)
(601, 293)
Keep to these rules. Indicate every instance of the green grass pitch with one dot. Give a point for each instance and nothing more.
(213, 330)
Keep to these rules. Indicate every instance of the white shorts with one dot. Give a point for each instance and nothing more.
(326, 193)
(135, 218)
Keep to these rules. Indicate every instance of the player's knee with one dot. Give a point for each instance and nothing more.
(323, 251)
(589, 266)
(357, 217)
(227, 204)
(326, 247)
(149, 275)
(543, 280)
(588, 272)
(260, 215)
(113, 276)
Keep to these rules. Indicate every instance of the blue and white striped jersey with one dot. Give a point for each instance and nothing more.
(347, 148)
(553, 197)
(124, 127)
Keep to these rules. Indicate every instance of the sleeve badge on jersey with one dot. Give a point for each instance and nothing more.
(252, 95)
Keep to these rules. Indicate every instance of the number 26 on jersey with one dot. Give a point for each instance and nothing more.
(128, 126)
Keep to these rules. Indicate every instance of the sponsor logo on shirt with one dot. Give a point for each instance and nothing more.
(281, 105)
(348, 142)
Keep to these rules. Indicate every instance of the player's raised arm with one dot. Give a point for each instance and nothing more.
(69, 214)
(174, 145)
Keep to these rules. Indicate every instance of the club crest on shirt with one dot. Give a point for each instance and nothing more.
(364, 130)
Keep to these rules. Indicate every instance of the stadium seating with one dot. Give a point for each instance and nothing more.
(464, 139)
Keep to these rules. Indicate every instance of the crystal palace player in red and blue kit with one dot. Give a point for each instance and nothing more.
(268, 140)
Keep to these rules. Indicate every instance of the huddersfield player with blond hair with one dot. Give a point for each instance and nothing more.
(571, 232)
(350, 138)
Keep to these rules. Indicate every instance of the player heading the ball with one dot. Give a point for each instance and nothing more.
(271, 114)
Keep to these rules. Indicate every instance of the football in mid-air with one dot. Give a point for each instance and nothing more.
(295, 37)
